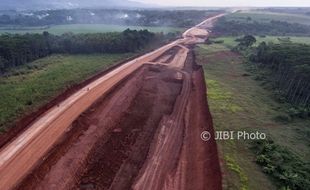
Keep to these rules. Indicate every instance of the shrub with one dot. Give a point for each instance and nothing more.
(283, 118)
(283, 166)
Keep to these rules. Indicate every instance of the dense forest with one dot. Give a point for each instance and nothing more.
(284, 68)
(19, 49)
(290, 10)
(176, 18)
(237, 28)
(289, 64)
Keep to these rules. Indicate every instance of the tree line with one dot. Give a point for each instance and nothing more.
(237, 28)
(284, 68)
(290, 67)
(175, 18)
(17, 49)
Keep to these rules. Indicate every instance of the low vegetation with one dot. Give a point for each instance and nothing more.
(287, 169)
(233, 166)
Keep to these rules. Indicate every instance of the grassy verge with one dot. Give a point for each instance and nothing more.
(87, 28)
(28, 87)
(238, 102)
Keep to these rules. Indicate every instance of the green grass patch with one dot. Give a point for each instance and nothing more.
(214, 48)
(85, 28)
(26, 88)
(233, 165)
(223, 99)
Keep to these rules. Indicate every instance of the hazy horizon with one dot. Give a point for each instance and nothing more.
(71, 4)
(229, 3)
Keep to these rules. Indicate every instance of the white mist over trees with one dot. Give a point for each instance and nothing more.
(64, 4)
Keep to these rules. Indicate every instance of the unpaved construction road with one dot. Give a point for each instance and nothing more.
(136, 127)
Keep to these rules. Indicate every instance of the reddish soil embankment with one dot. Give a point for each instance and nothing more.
(140, 129)
(145, 134)
(168, 56)
(20, 125)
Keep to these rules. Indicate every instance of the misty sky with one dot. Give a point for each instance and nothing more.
(228, 3)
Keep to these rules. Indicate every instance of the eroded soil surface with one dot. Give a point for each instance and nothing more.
(145, 134)
(137, 127)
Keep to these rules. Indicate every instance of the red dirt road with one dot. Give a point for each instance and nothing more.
(137, 127)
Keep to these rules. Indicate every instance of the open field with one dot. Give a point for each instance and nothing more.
(85, 28)
(27, 87)
(238, 102)
(262, 16)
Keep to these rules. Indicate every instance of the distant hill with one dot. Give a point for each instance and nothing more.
(65, 4)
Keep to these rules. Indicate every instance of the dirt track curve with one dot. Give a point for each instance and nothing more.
(136, 127)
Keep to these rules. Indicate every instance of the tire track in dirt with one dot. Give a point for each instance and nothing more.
(166, 145)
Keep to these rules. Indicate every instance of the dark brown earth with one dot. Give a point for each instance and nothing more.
(168, 56)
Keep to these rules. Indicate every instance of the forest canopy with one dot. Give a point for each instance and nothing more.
(278, 28)
(289, 64)
(19, 49)
(175, 18)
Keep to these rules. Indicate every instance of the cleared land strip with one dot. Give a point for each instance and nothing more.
(20, 156)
